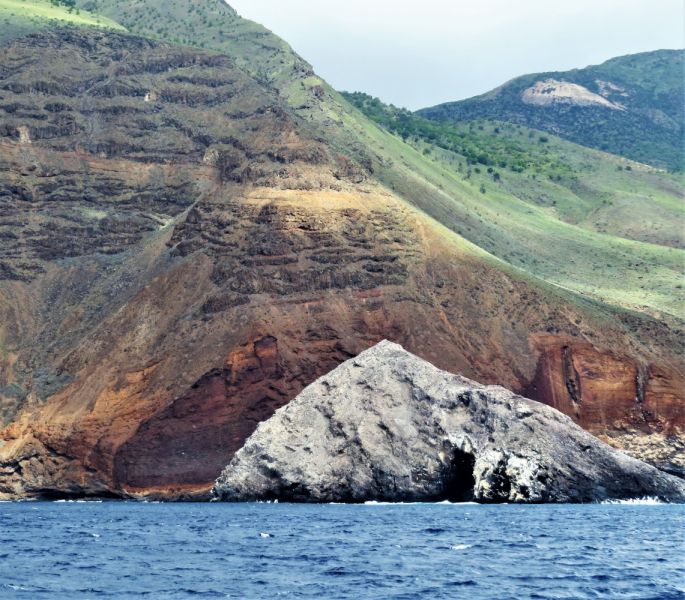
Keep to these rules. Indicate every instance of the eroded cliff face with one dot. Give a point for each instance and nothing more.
(188, 255)
(633, 405)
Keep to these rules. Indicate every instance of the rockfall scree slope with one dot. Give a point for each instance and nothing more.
(194, 227)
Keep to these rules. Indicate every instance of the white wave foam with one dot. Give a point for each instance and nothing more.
(265, 535)
(655, 542)
(377, 503)
(651, 500)
(461, 547)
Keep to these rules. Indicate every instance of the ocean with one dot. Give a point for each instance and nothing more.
(122, 550)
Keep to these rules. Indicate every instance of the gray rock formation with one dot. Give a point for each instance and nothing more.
(387, 425)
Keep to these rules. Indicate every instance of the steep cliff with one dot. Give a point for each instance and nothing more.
(183, 252)
(389, 426)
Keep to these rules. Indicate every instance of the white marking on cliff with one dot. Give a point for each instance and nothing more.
(606, 87)
(552, 91)
(24, 134)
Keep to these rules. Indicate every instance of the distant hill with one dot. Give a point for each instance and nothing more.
(631, 106)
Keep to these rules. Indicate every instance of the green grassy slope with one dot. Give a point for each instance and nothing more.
(646, 123)
(658, 72)
(19, 17)
(556, 230)
(533, 237)
(594, 190)
(210, 24)
(550, 218)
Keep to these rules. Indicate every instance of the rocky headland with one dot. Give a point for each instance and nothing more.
(390, 426)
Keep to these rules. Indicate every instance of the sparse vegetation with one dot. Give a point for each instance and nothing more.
(560, 194)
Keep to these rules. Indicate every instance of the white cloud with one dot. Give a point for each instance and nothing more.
(421, 53)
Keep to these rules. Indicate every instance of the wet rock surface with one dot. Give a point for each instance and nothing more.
(389, 426)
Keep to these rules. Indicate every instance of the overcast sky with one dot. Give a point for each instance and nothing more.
(421, 53)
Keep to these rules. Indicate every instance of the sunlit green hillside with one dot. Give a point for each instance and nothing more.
(600, 224)
(584, 187)
(19, 17)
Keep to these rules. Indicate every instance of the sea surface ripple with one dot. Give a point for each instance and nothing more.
(86, 550)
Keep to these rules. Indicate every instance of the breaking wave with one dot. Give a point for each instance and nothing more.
(650, 500)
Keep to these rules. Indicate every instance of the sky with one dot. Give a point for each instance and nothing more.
(420, 53)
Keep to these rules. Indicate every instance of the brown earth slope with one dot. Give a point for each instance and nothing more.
(181, 254)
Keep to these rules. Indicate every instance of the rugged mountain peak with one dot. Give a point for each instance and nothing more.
(390, 426)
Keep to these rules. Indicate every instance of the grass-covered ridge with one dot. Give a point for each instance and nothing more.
(658, 72)
(19, 17)
(187, 22)
(578, 183)
(603, 225)
(209, 24)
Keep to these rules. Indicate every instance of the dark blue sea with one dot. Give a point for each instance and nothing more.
(87, 550)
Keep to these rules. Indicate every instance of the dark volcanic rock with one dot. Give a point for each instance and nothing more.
(387, 425)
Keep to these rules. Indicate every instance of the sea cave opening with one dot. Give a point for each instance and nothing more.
(459, 480)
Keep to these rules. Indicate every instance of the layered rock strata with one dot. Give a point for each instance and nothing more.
(389, 426)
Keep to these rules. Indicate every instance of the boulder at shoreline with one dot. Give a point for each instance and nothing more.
(389, 426)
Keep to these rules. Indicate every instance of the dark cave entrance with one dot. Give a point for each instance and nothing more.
(459, 480)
